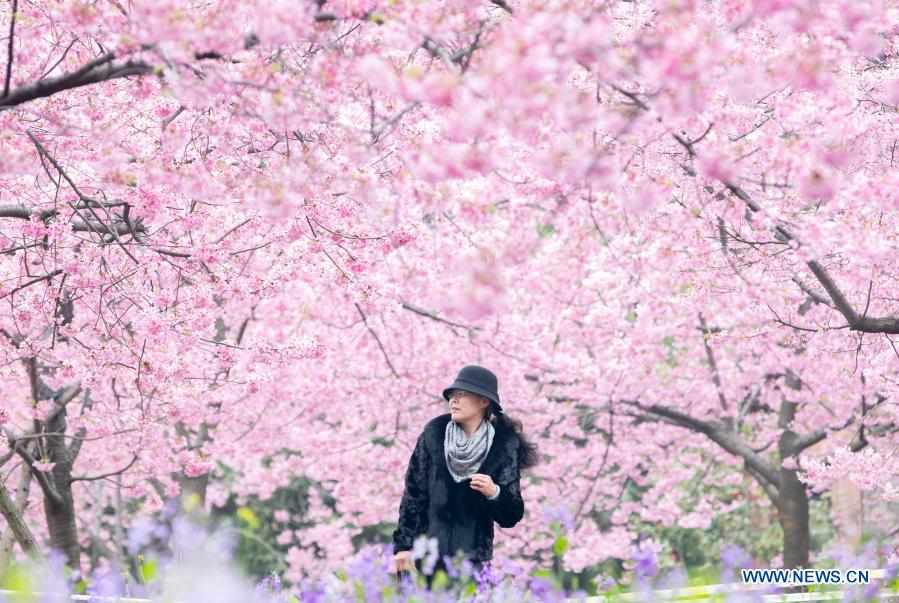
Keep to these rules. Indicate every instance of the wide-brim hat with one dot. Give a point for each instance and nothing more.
(477, 380)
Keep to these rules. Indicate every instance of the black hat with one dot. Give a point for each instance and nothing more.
(477, 380)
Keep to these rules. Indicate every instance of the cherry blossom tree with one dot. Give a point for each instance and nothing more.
(236, 231)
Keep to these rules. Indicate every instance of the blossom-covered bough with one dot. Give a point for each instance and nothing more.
(235, 231)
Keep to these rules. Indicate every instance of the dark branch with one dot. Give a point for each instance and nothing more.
(46, 485)
(769, 489)
(93, 478)
(378, 339)
(34, 281)
(723, 438)
(24, 213)
(99, 70)
(432, 316)
(9, 51)
(88, 202)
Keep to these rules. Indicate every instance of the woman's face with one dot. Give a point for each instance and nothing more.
(466, 405)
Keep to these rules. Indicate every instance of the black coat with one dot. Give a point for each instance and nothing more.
(459, 516)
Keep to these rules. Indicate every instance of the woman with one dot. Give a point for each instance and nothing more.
(463, 475)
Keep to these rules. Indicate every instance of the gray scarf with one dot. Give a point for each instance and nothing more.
(464, 455)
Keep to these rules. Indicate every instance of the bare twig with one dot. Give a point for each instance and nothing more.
(93, 478)
(378, 339)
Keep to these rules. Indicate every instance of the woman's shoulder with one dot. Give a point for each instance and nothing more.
(437, 425)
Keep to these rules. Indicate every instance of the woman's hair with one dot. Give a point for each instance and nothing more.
(527, 450)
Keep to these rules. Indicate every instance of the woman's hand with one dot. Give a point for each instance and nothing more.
(483, 483)
(403, 561)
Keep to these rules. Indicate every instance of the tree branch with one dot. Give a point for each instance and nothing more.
(378, 339)
(716, 377)
(9, 51)
(863, 324)
(432, 316)
(99, 70)
(769, 489)
(723, 438)
(24, 213)
(85, 478)
(19, 528)
(89, 203)
(46, 485)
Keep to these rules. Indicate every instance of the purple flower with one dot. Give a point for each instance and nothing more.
(488, 575)
(605, 583)
(676, 578)
(311, 593)
(108, 583)
(140, 535)
(170, 509)
(734, 557)
(545, 591)
(541, 588)
(892, 571)
(451, 569)
(561, 514)
(871, 590)
(53, 583)
(647, 565)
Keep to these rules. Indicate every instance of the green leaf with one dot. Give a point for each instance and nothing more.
(545, 230)
(150, 570)
(560, 546)
(631, 316)
(21, 583)
(441, 580)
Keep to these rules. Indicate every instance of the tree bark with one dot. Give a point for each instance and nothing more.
(60, 511)
(792, 493)
(18, 529)
(793, 515)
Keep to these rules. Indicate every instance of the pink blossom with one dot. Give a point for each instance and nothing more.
(43, 466)
(715, 167)
(765, 8)
(867, 41)
(816, 184)
(196, 468)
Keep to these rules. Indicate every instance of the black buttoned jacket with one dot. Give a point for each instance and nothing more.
(459, 516)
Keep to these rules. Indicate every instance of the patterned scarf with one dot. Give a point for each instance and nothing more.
(464, 455)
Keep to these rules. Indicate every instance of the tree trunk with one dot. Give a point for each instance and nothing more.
(62, 527)
(60, 512)
(793, 515)
(792, 494)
